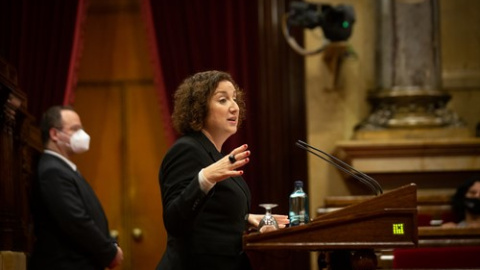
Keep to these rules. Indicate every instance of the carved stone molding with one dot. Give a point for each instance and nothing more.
(431, 164)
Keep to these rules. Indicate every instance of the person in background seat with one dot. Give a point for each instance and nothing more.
(466, 205)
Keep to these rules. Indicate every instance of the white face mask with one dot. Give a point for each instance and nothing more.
(79, 141)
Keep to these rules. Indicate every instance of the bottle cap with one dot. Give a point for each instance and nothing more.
(298, 183)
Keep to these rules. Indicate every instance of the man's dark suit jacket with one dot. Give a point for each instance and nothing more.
(71, 228)
(204, 230)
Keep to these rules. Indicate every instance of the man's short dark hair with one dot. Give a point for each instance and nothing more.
(52, 118)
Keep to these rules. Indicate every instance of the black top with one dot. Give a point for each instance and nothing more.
(204, 230)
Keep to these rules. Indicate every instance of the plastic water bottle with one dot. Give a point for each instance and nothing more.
(298, 213)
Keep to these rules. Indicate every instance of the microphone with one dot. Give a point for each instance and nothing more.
(360, 176)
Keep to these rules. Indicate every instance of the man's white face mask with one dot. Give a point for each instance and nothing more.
(79, 141)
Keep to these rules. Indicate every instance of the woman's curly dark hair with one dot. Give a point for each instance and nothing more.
(192, 97)
(458, 199)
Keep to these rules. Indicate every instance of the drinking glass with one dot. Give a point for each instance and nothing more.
(268, 222)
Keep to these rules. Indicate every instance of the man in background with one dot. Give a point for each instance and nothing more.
(71, 228)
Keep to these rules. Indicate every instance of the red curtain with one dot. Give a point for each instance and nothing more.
(76, 52)
(190, 36)
(40, 39)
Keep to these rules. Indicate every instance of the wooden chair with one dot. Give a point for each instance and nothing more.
(451, 257)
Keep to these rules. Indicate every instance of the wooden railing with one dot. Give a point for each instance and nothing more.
(433, 209)
(20, 147)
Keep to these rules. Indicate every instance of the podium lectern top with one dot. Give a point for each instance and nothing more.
(386, 221)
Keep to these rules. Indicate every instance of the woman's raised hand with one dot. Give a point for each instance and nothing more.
(228, 165)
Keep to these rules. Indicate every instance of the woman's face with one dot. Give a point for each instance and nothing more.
(223, 111)
(474, 191)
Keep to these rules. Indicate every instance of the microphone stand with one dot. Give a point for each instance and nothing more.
(360, 176)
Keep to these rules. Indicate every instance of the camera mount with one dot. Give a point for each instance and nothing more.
(336, 23)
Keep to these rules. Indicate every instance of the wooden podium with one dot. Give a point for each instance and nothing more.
(347, 237)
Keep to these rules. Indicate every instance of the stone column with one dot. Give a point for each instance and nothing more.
(409, 101)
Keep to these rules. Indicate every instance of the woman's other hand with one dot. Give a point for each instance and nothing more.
(282, 220)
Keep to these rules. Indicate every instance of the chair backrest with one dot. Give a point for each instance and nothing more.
(455, 257)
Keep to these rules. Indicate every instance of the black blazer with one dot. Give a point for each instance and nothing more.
(204, 230)
(71, 228)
